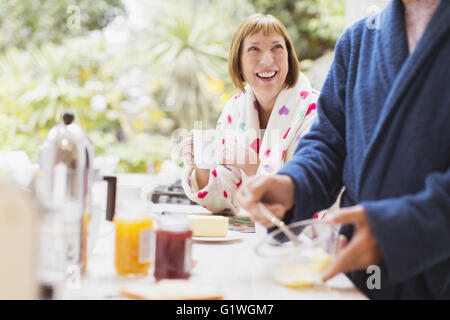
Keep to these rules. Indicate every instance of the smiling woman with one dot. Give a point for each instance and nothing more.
(275, 107)
(264, 61)
(252, 30)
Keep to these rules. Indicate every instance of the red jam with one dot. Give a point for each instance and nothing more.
(173, 254)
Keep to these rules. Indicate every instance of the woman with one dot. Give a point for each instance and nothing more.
(277, 99)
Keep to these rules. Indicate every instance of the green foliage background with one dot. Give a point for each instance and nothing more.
(25, 23)
(314, 25)
(130, 95)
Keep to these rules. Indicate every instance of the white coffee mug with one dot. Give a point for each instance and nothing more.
(207, 149)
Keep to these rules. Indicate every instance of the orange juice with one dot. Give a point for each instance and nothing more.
(86, 219)
(132, 257)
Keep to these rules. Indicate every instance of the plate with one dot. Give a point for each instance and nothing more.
(231, 236)
(173, 290)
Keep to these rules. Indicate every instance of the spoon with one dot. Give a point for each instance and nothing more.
(280, 224)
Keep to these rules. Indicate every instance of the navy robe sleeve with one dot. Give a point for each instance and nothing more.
(420, 222)
(316, 167)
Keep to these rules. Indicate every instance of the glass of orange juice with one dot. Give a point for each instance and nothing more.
(133, 223)
(86, 220)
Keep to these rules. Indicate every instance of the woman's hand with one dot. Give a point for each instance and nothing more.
(187, 150)
(236, 155)
(275, 191)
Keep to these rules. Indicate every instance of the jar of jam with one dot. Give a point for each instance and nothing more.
(173, 247)
(133, 223)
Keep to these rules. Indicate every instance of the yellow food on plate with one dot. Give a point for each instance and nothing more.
(298, 275)
(209, 226)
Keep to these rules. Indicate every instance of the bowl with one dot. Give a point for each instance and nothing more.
(304, 264)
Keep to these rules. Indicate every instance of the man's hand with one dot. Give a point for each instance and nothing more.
(362, 250)
(275, 191)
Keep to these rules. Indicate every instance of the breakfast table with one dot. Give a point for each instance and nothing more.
(230, 266)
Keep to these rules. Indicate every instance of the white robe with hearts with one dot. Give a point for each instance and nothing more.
(292, 116)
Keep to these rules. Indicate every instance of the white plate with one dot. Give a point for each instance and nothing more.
(232, 235)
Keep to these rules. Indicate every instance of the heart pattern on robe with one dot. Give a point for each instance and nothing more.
(255, 145)
(202, 194)
(304, 94)
(283, 111)
(311, 107)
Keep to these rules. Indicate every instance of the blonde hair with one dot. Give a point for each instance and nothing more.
(250, 26)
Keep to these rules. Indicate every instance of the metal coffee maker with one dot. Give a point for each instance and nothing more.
(64, 190)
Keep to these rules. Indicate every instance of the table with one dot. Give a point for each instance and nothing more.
(232, 266)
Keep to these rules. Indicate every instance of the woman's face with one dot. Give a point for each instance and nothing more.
(264, 64)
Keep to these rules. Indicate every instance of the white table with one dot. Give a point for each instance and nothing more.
(232, 266)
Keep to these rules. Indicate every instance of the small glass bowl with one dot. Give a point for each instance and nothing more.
(301, 265)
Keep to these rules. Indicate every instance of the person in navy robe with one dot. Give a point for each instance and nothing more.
(383, 135)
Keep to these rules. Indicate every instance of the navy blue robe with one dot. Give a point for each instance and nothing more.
(383, 132)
